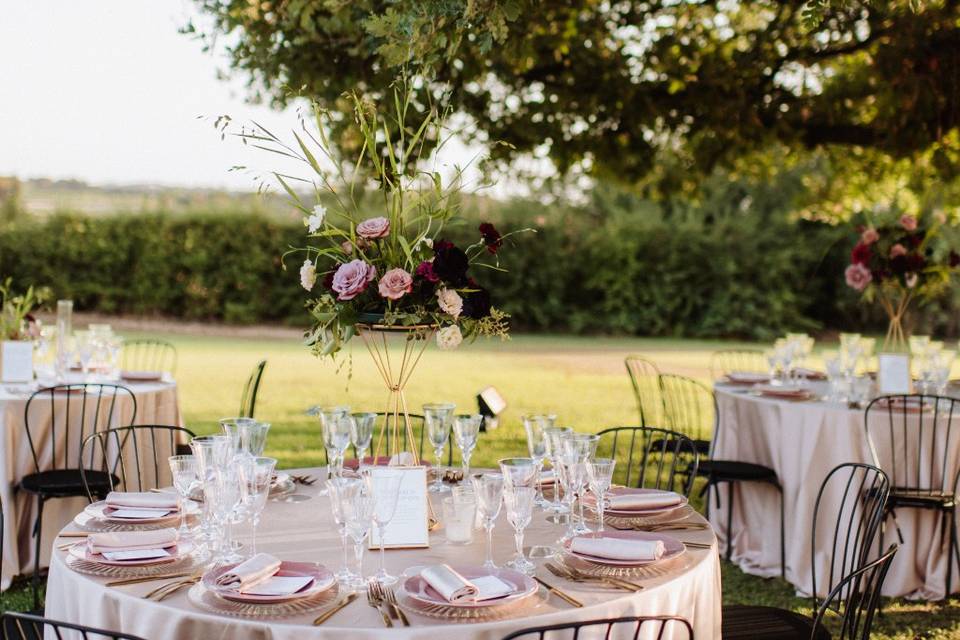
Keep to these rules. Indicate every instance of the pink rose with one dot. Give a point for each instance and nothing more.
(352, 278)
(374, 228)
(858, 277)
(395, 283)
(869, 236)
(897, 250)
(908, 222)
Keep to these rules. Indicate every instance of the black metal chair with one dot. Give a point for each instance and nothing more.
(134, 458)
(919, 458)
(24, 626)
(75, 411)
(627, 627)
(645, 378)
(651, 457)
(692, 408)
(248, 400)
(726, 361)
(149, 354)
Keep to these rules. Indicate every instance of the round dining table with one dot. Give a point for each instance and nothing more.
(300, 527)
(803, 440)
(156, 404)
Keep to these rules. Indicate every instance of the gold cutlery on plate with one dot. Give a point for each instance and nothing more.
(560, 594)
(326, 615)
(377, 604)
(697, 545)
(164, 576)
(162, 592)
(72, 534)
(574, 575)
(390, 597)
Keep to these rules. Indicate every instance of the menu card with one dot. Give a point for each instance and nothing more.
(410, 525)
(893, 375)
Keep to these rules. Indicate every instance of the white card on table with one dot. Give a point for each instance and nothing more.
(278, 586)
(16, 361)
(893, 373)
(139, 514)
(410, 526)
(135, 554)
(491, 588)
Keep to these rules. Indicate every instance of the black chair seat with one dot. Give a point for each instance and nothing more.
(901, 497)
(767, 623)
(61, 483)
(725, 470)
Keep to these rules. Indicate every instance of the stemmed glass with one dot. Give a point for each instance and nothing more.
(518, 472)
(257, 475)
(553, 437)
(580, 447)
(437, 419)
(336, 439)
(519, 503)
(233, 427)
(357, 507)
(385, 486)
(211, 454)
(85, 348)
(361, 434)
(329, 416)
(600, 476)
(465, 429)
(229, 507)
(535, 427)
(340, 492)
(489, 490)
(183, 469)
(574, 478)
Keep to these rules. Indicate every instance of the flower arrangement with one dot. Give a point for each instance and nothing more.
(16, 319)
(899, 262)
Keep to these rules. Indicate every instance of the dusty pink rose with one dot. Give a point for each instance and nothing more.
(898, 250)
(352, 278)
(373, 228)
(869, 236)
(858, 277)
(395, 283)
(908, 222)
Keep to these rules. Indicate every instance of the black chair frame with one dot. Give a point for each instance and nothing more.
(575, 628)
(248, 399)
(25, 626)
(672, 456)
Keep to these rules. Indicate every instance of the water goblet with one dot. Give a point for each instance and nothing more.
(535, 425)
(329, 420)
(519, 505)
(385, 486)
(229, 495)
(211, 454)
(357, 506)
(361, 434)
(600, 476)
(518, 472)
(336, 438)
(437, 418)
(258, 474)
(465, 430)
(553, 438)
(339, 490)
(232, 427)
(488, 488)
(183, 470)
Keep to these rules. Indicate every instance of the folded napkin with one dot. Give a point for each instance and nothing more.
(644, 501)
(247, 574)
(142, 500)
(455, 588)
(131, 540)
(619, 548)
(747, 377)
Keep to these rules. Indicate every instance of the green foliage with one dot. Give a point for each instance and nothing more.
(14, 309)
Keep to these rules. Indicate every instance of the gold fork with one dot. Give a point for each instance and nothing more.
(575, 575)
(390, 598)
(376, 603)
(189, 579)
(171, 589)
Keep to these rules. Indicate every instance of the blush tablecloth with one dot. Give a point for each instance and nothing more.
(303, 530)
(802, 442)
(156, 404)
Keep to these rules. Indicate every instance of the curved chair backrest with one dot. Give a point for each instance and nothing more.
(248, 400)
(134, 457)
(24, 626)
(62, 416)
(848, 512)
(727, 361)
(651, 457)
(645, 378)
(912, 439)
(149, 354)
(673, 627)
(856, 599)
(690, 407)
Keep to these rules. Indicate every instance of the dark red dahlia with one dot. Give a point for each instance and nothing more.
(860, 254)
(425, 271)
(954, 258)
(491, 237)
(450, 263)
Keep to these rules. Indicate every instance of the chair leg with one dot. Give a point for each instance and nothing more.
(37, 531)
(729, 520)
(950, 519)
(783, 536)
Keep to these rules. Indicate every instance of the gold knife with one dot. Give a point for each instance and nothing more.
(326, 615)
(559, 594)
(165, 576)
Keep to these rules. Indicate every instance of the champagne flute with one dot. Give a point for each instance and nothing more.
(535, 425)
(361, 434)
(574, 477)
(600, 476)
(553, 437)
(339, 491)
(385, 487)
(184, 471)
(465, 429)
(329, 416)
(489, 490)
(357, 505)
(437, 419)
(258, 473)
(519, 504)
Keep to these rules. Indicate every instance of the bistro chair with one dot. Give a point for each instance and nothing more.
(248, 399)
(726, 361)
(24, 626)
(649, 457)
(133, 458)
(57, 420)
(628, 627)
(645, 378)
(149, 354)
(919, 454)
(692, 408)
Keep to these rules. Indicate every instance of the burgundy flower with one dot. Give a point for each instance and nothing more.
(476, 304)
(328, 280)
(915, 262)
(450, 263)
(425, 270)
(860, 254)
(954, 258)
(491, 237)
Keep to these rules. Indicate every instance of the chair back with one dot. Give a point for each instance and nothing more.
(135, 458)
(856, 599)
(248, 399)
(25, 626)
(913, 438)
(645, 378)
(673, 627)
(690, 407)
(846, 521)
(149, 354)
(59, 418)
(727, 361)
(650, 457)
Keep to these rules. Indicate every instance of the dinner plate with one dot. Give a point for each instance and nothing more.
(747, 377)
(418, 590)
(672, 547)
(787, 391)
(177, 552)
(590, 501)
(100, 511)
(322, 580)
(142, 376)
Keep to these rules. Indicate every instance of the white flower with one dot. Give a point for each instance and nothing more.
(450, 302)
(428, 242)
(449, 337)
(315, 221)
(911, 280)
(308, 275)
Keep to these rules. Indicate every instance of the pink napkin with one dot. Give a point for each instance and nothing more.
(131, 540)
(747, 377)
(449, 584)
(619, 548)
(247, 574)
(142, 499)
(644, 501)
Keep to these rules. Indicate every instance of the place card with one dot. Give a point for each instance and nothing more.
(135, 554)
(278, 586)
(893, 373)
(138, 514)
(16, 361)
(410, 525)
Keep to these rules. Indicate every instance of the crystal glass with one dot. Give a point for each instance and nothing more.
(356, 504)
(84, 352)
(519, 505)
(257, 475)
(385, 486)
(534, 426)
(340, 490)
(488, 488)
(574, 475)
(330, 416)
(581, 445)
(336, 438)
(553, 437)
(458, 519)
(465, 430)
(361, 434)
(212, 454)
(437, 418)
(229, 497)
(599, 476)
(183, 470)
(233, 427)
(64, 355)
(518, 472)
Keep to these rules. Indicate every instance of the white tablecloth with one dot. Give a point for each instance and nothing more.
(156, 404)
(802, 442)
(304, 531)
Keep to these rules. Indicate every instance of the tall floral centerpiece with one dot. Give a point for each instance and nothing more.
(898, 263)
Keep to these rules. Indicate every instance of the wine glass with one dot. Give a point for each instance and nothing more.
(339, 490)
(553, 437)
(518, 472)
(183, 469)
(574, 476)
(519, 504)
(356, 506)
(258, 474)
(229, 495)
(211, 454)
(232, 427)
(361, 434)
(437, 419)
(84, 352)
(385, 487)
(535, 425)
(336, 438)
(329, 416)
(488, 488)
(600, 476)
(465, 429)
